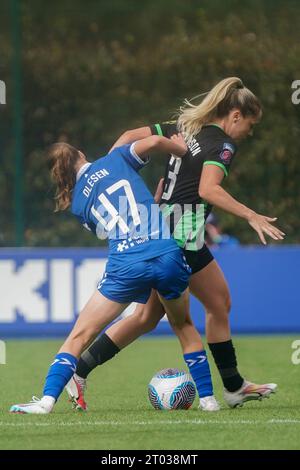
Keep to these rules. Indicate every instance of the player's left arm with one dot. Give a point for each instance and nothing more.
(131, 136)
(165, 129)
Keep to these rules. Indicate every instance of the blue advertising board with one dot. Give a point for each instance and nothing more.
(43, 290)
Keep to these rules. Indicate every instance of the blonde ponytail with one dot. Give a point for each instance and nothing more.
(228, 94)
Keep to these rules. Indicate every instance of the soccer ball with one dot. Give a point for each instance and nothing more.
(171, 389)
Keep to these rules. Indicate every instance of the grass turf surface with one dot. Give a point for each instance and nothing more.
(120, 416)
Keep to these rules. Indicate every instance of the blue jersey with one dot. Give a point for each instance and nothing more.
(111, 199)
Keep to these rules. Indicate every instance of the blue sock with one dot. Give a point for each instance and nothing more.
(199, 369)
(59, 374)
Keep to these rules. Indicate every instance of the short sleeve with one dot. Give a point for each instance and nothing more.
(221, 155)
(129, 154)
(165, 129)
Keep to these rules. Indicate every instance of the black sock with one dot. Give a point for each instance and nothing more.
(99, 352)
(225, 359)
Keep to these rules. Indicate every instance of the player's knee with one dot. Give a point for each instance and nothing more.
(227, 303)
(220, 307)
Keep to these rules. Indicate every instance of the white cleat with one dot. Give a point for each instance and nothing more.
(75, 389)
(35, 406)
(248, 391)
(209, 404)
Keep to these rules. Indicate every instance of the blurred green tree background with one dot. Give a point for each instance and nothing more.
(92, 69)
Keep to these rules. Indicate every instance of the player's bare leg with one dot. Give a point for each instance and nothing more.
(118, 336)
(95, 316)
(209, 286)
(98, 312)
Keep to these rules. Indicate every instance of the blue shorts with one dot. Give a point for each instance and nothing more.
(168, 274)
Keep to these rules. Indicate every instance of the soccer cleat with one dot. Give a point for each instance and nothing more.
(248, 391)
(35, 406)
(209, 404)
(75, 389)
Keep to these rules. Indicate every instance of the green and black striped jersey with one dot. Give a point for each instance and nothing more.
(212, 146)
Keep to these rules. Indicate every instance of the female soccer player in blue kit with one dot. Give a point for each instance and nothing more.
(108, 196)
(212, 128)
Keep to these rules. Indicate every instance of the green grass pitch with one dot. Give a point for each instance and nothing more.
(120, 416)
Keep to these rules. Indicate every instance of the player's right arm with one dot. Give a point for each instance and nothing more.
(210, 189)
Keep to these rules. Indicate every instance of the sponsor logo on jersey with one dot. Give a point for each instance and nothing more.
(227, 153)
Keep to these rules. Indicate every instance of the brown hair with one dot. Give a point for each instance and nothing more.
(62, 159)
(228, 94)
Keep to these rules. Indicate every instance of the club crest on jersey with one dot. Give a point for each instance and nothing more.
(227, 153)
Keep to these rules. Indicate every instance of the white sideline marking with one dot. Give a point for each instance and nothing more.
(149, 423)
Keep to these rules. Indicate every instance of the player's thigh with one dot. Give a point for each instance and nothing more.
(210, 287)
(98, 312)
(144, 318)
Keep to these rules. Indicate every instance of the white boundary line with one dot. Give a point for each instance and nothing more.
(149, 423)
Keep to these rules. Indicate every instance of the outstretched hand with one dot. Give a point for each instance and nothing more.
(263, 225)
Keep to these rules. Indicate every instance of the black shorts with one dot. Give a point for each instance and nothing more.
(198, 259)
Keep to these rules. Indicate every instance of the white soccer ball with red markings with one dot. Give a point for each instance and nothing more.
(171, 389)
